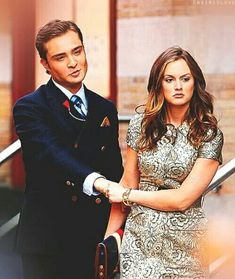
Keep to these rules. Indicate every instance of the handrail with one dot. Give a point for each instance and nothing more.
(9, 225)
(124, 118)
(222, 173)
(8, 152)
(216, 264)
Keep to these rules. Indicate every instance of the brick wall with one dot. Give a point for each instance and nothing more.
(223, 88)
(143, 8)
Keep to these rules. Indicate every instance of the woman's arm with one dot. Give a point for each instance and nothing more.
(130, 179)
(174, 199)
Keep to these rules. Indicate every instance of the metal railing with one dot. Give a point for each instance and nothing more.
(9, 225)
(8, 152)
(223, 173)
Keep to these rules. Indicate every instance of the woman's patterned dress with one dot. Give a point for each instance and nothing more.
(158, 244)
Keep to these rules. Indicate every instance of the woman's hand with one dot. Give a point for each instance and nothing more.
(114, 192)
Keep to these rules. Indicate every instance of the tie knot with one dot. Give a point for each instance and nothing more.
(77, 108)
(76, 100)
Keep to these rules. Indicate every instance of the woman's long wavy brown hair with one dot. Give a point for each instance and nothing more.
(199, 115)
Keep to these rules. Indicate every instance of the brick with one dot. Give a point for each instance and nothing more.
(5, 130)
(143, 8)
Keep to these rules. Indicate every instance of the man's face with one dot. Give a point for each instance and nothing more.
(66, 60)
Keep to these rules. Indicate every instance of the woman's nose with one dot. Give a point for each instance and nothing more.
(178, 84)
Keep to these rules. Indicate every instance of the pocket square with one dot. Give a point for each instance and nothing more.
(105, 122)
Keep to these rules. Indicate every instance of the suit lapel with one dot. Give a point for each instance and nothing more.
(55, 99)
(94, 113)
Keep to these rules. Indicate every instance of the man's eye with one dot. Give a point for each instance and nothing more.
(60, 58)
(77, 52)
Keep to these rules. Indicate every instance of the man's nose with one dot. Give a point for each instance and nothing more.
(72, 62)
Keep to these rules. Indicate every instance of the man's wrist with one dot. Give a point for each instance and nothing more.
(101, 184)
(88, 185)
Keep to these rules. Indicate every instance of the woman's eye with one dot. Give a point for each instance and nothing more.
(186, 79)
(169, 80)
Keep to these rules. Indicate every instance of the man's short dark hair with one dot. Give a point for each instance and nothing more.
(54, 29)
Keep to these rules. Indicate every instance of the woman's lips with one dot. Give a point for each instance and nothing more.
(178, 95)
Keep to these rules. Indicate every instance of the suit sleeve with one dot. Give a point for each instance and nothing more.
(41, 145)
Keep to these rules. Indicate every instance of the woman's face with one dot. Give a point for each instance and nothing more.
(177, 84)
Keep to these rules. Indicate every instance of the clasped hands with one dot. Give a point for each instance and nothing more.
(112, 190)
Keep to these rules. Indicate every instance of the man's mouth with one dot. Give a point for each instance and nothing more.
(75, 73)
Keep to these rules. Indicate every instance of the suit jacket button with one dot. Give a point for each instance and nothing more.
(74, 198)
(102, 148)
(76, 145)
(68, 183)
(98, 200)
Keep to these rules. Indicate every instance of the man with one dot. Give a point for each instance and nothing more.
(66, 149)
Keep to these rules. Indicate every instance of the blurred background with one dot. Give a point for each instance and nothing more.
(122, 39)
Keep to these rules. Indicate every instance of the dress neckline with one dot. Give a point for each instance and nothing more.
(183, 124)
(172, 131)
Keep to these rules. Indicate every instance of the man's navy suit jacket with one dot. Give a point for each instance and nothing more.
(59, 152)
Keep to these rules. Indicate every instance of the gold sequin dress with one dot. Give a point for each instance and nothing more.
(158, 244)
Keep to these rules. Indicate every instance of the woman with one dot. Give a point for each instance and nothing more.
(174, 150)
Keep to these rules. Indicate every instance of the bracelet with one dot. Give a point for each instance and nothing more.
(125, 197)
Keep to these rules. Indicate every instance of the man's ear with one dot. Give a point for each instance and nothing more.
(45, 65)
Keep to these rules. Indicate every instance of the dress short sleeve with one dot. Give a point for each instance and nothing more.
(213, 148)
(133, 131)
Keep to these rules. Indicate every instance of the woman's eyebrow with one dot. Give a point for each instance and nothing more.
(169, 75)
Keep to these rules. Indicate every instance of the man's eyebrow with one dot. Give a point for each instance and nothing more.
(78, 47)
(58, 55)
(63, 53)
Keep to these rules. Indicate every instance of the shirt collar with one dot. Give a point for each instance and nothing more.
(68, 94)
